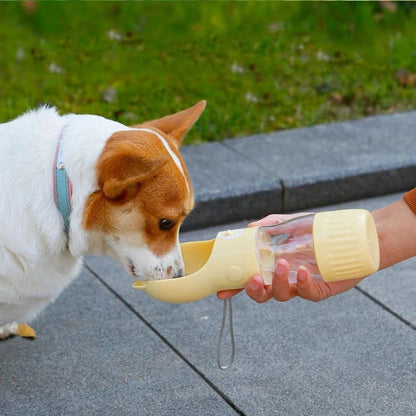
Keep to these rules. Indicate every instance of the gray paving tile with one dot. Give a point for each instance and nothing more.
(344, 356)
(93, 356)
(337, 162)
(226, 185)
(395, 289)
(301, 168)
(340, 357)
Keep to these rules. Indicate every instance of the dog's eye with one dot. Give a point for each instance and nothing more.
(166, 224)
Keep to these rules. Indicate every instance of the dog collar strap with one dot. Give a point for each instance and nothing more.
(62, 188)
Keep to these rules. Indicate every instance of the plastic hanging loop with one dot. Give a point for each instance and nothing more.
(231, 330)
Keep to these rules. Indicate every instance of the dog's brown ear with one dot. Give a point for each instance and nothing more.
(178, 124)
(122, 167)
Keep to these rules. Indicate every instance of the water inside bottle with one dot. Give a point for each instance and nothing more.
(290, 240)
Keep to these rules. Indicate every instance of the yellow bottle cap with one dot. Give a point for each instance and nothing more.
(345, 244)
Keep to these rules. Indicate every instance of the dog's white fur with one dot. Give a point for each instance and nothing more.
(35, 262)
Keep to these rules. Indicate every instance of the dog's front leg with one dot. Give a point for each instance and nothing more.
(23, 330)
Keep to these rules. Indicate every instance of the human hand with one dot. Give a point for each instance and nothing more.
(282, 290)
(274, 219)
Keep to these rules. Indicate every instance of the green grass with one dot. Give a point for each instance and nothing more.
(262, 66)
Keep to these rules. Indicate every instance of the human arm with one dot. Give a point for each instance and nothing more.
(396, 228)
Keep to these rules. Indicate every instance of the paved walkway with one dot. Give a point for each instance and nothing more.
(106, 349)
(302, 168)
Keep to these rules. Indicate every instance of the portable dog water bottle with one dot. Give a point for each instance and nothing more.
(332, 245)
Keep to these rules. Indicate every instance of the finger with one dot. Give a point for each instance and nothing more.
(282, 290)
(274, 219)
(257, 291)
(269, 220)
(309, 289)
(225, 294)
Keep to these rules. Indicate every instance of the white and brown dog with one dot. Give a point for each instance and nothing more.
(130, 193)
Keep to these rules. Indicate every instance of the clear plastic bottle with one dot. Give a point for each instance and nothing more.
(332, 245)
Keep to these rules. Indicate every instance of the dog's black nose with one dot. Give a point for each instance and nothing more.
(179, 273)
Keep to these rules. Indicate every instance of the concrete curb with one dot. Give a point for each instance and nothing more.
(301, 168)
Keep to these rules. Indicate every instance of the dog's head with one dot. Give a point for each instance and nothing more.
(144, 195)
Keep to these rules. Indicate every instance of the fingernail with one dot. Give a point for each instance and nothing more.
(256, 283)
(281, 269)
(302, 273)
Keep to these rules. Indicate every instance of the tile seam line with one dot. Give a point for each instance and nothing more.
(386, 308)
(395, 167)
(254, 163)
(168, 343)
(376, 170)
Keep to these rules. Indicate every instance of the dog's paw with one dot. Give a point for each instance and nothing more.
(25, 331)
(22, 330)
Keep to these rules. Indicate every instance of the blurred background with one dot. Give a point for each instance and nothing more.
(262, 66)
